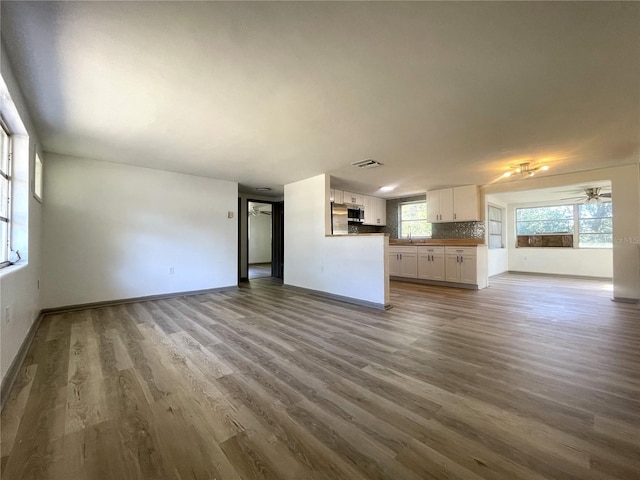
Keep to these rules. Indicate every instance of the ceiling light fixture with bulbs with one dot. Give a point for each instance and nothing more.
(388, 188)
(525, 169)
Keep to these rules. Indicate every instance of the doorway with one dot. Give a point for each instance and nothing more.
(260, 239)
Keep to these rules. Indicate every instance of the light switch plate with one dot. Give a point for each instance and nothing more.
(229, 214)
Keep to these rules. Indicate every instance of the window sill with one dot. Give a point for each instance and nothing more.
(10, 269)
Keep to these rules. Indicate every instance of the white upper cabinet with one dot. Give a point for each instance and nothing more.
(440, 205)
(466, 204)
(381, 219)
(353, 198)
(337, 196)
(375, 210)
(457, 204)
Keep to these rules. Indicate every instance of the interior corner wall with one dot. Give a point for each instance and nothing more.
(19, 284)
(115, 231)
(355, 267)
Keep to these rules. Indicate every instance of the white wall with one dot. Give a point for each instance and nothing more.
(625, 189)
(113, 231)
(19, 283)
(349, 266)
(260, 238)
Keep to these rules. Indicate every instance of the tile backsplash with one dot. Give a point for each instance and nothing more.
(458, 230)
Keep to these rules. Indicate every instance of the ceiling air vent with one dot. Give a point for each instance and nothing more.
(368, 163)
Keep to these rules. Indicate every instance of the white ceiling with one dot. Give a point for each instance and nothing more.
(557, 195)
(443, 93)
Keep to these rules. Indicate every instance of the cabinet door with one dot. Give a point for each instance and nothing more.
(446, 205)
(369, 210)
(338, 197)
(424, 265)
(409, 265)
(440, 205)
(382, 211)
(436, 270)
(452, 268)
(352, 198)
(468, 269)
(431, 266)
(394, 264)
(433, 206)
(465, 203)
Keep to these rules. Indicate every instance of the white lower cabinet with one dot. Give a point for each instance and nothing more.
(459, 265)
(403, 262)
(431, 263)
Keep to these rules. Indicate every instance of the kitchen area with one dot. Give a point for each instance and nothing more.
(452, 251)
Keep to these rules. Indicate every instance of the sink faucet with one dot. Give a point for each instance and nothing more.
(409, 236)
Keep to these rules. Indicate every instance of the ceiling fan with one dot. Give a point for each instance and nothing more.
(592, 195)
(255, 211)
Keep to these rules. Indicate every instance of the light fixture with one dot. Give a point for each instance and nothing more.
(525, 169)
(263, 189)
(388, 188)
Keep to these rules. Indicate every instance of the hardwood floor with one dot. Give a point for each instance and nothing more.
(533, 378)
(259, 270)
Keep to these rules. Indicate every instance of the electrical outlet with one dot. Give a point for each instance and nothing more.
(7, 315)
(171, 270)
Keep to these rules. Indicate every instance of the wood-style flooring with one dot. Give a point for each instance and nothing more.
(533, 378)
(259, 270)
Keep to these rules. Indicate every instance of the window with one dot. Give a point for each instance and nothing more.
(495, 227)
(544, 220)
(585, 225)
(413, 220)
(595, 225)
(5, 194)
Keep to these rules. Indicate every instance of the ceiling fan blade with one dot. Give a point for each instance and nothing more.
(575, 198)
(605, 195)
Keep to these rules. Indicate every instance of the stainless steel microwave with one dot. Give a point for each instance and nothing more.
(355, 214)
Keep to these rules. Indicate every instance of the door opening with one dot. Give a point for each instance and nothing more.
(259, 239)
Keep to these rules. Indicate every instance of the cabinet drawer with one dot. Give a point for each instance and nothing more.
(460, 250)
(395, 249)
(430, 250)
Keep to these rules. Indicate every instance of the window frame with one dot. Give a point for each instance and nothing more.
(501, 222)
(400, 220)
(5, 248)
(574, 232)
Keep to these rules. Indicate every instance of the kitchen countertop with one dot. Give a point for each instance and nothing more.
(457, 242)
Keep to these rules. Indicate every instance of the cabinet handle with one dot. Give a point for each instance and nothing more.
(454, 216)
(461, 259)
